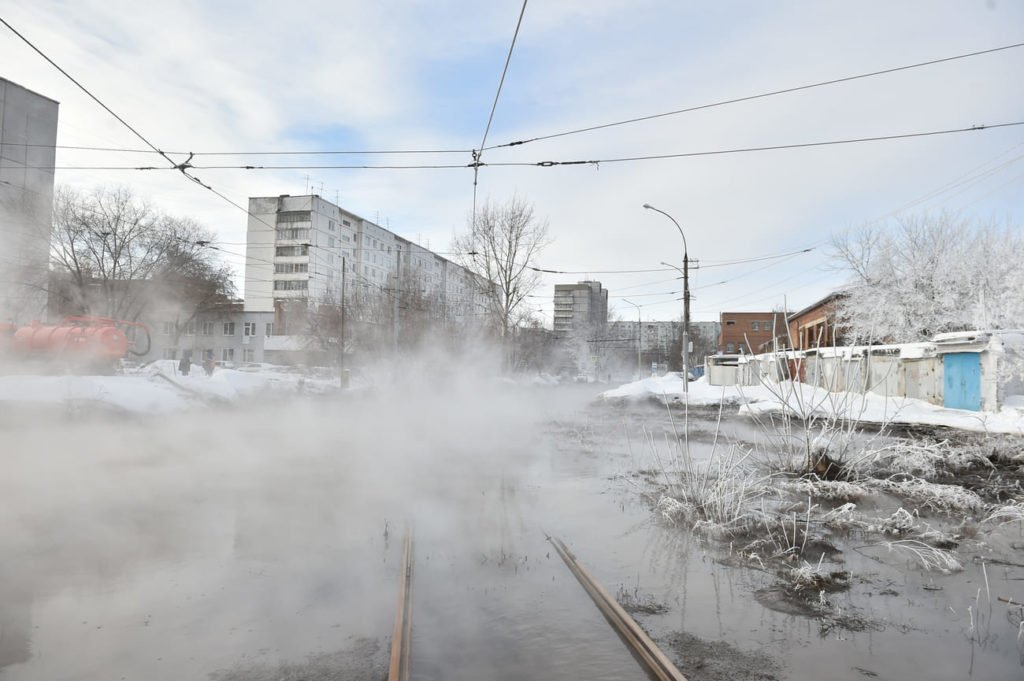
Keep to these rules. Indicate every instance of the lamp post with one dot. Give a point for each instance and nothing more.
(686, 300)
(639, 338)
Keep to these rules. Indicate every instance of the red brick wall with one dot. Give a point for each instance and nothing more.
(738, 329)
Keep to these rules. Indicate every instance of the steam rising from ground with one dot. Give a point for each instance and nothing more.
(268, 525)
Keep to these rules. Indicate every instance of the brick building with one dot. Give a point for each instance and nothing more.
(749, 332)
(815, 325)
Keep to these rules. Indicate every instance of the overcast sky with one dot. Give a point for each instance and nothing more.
(340, 75)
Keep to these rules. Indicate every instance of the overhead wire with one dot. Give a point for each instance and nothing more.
(548, 164)
(478, 153)
(759, 96)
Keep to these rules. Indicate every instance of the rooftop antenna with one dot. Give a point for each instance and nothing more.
(321, 189)
(307, 182)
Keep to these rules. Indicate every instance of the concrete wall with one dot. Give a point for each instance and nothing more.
(26, 200)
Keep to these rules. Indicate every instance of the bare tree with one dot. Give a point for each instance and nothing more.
(500, 247)
(116, 256)
(930, 274)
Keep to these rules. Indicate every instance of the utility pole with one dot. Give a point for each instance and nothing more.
(398, 294)
(686, 299)
(341, 340)
(639, 339)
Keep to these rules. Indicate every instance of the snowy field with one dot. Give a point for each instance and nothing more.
(804, 401)
(159, 387)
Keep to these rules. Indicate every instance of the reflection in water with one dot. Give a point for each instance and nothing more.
(254, 541)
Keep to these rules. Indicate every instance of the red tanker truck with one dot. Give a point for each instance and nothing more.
(78, 341)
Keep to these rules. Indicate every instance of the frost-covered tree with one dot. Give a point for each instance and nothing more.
(928, 274)
(500, 248)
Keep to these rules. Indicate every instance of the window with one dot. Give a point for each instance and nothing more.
(330, 225)
(229, 328)
(291, 285)
(330, 258)
(741, 348)
(756, 326)
(270, 328)
(170, 353)
(730, 322)
(293, 216)
(248, 355)
(730, 348)
(290, 267)
(292, 233)
(767, 326)
(344, 237)
(190, 329)
(167, 328)
(346, 223)
(249, 329)
(227, 355)
(207, 328)
(292, 250)
(330, 242)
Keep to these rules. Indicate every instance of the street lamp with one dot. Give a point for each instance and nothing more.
(639, 338)
(686, 300)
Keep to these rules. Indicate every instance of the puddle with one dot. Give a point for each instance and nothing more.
(263, 541)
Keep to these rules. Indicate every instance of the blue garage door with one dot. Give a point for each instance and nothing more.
(962, 380)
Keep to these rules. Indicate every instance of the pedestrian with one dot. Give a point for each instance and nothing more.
(209, 364)
(184, 364)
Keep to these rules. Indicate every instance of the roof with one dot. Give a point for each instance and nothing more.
(835, 295)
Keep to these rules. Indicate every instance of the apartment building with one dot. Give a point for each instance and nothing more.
(28, 133)
(580, 307)
(299, 249)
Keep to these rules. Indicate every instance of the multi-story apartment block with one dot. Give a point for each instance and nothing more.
(661, 342)
(581, 307)
(28, 135)
(300, 248)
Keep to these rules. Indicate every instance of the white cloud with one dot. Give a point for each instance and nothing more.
(228, 76)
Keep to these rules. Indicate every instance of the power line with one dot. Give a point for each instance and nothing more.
(548, 164)
(478, 153)
(86, 91)
(759, 96)
(311, 152)
(742, 150)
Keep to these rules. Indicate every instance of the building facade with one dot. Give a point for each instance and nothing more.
(750, 332)
(580, 307)
(28, 135)
(815, 325)
(304, 250)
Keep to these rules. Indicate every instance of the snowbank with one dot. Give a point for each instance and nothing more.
(804, 401)
(158, 387)
(669, 388)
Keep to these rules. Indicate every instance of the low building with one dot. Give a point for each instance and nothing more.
(747, 332)
(815, 326)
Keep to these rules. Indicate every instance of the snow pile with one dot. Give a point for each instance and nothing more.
(158, 387)
(805, 401)
(669, 388)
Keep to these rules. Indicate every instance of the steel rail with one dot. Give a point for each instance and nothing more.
(401, 637)
(640, 644)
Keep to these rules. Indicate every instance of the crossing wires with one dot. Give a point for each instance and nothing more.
(478, 153)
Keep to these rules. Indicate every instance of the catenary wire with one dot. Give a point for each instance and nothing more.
(759, 96)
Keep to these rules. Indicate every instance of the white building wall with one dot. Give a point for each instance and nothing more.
(28, 133)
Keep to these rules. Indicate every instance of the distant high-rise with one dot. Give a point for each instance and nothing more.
(28, 135)
(581, 307)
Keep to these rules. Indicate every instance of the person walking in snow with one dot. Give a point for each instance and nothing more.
(184, 365)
